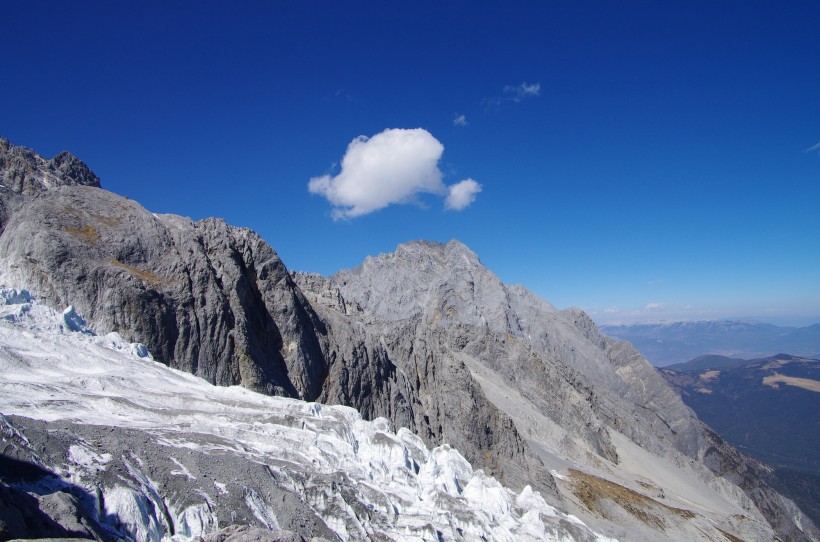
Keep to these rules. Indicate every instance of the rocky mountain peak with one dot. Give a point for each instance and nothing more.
(443, 283)
(23, 171)
(453, 250)
(421, 257)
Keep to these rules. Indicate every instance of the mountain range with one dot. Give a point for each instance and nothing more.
(769, 408)
(678, 342)
(425, 339)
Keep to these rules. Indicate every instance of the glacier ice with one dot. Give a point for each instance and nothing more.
(364, 479)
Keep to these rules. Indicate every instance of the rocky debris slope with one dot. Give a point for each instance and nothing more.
(86, 456)
(425, 337)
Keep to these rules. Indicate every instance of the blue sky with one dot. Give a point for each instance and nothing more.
(639, 159)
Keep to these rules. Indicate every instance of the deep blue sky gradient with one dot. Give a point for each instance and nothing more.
(665, 163)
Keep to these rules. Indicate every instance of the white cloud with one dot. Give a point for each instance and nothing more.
(394, 166)
(514, 93)
(611, 310)
(654, 306)
(462, 194)
(814, 148)
(517, 93)
(460, 120)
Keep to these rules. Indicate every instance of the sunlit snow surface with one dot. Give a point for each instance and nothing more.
(53, 368)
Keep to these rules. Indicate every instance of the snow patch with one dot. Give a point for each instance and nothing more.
(196, 520)
(558, 475)
(223, 488)
(87, 457)
(134, 513)
(183, 471)
(260, 509)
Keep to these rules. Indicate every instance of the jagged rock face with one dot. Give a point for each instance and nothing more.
(430, 299)
(535, 346)
(204, 297)
(24, 172)
(561, 382)
(405, 372)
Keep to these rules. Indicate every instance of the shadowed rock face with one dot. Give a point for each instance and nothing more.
(204, 297)
(426, 336)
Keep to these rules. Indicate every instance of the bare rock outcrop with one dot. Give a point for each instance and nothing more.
(204, 297)
(23, 171)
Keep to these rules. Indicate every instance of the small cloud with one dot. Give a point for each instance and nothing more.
(392, 167)
(612, 310)
(814, 148)
(687, 307)
(517, 93)
(462, 194)
(654, 306)
(654, 282)
(514, 93)
(460, 120)
(341, 95)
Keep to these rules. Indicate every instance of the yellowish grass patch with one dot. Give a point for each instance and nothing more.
(806, 383)
(87, 234)
(146, 276)
(592, 490)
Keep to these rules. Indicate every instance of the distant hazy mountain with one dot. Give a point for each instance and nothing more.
(709, 361)
(676, 342)
(768, 408)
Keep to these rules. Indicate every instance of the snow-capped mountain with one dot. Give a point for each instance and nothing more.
(425, 337)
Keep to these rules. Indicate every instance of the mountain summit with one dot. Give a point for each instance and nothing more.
(26, 172)
(425, 337)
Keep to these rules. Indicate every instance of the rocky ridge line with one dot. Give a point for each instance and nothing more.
(218, 302)
(426, 337)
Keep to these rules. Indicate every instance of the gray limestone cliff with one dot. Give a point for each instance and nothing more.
(205, 297)
(567, 388)
(530, 343)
